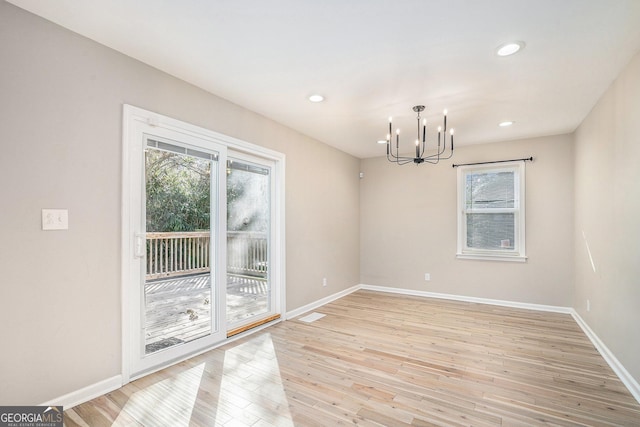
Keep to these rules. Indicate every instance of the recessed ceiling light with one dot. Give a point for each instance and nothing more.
(509, 48)
(505, 124)
(316, 98)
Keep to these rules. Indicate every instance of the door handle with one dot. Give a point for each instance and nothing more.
(139, 245)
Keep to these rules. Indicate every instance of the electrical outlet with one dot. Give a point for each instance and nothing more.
(427, 276)
(324, 281)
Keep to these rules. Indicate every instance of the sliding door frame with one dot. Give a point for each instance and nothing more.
(136, 123)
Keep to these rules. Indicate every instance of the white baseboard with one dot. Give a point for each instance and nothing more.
(632, 385)
(312, 306)
(503, 303)
(87, 393)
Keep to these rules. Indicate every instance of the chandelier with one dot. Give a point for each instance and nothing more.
(440, 154)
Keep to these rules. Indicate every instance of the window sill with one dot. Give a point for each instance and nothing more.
(493, 257)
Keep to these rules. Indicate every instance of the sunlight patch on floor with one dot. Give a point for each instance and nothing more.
(167, 402)
(251, 389)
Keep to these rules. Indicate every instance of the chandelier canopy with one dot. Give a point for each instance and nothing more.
(441, 152)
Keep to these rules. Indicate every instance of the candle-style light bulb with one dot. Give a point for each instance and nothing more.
(398, 131)
(388, 144)
(451, 140)
(390, 119)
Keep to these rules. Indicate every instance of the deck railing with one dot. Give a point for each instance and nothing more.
(177, 254)
(247, 253)
(171, 254)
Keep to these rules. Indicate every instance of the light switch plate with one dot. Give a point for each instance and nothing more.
(55, 219)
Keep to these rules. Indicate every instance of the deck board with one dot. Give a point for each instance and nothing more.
(179, 308)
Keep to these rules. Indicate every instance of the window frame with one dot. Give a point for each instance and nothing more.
(518, 253)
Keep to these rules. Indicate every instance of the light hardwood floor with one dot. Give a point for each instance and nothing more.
(383, 359)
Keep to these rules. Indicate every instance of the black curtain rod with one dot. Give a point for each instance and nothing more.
(496, 161)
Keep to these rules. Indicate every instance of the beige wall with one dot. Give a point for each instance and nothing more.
(61, 99)
(409, 226)
(607, 218)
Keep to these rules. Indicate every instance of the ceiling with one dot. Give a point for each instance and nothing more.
(372, 59)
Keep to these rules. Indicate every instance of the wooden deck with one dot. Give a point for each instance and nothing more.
(179, 308)
(380, 359)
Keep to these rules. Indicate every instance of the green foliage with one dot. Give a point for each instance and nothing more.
(178, 189)
(178, 192)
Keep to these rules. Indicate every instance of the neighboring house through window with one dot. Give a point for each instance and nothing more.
(491, 211)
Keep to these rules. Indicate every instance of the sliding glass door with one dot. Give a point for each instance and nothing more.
(249, 225)
(179, 285)
(202, 240)
(176, 271)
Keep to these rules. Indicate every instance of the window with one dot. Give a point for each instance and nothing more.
(491, 212)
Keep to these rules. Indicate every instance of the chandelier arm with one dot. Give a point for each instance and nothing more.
(444, 143)
(390, 151)
(401, 160)
(431, 160)
(451, 152)
(390, 156)
(435, 155)
(440, 152)
(395, 158)
(445, 147)
(440, 158)
(434, 160)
